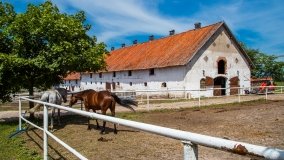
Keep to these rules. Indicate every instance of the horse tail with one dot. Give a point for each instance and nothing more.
(124, 102)
(35, 108)
(44, 98)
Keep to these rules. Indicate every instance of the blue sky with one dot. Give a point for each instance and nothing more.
(257, 23)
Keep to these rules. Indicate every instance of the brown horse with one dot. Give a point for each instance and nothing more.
(102, 100)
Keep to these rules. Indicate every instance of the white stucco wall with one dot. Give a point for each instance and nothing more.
(72, 85)
(220, 47)
(172, 76)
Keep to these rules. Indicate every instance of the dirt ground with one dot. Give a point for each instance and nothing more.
(259, 123)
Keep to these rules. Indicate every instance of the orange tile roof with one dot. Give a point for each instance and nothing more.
(173, 50)
(73, 76)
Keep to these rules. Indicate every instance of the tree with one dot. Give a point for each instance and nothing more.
(265, 65)
(43, 45)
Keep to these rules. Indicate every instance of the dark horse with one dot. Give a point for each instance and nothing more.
(102, 100)
(52, 96)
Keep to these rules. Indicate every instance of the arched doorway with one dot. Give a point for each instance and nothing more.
(219, 82)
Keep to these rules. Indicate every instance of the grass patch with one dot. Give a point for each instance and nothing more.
(279, 83)
(14, 148)
(13, 106)
(129, 115)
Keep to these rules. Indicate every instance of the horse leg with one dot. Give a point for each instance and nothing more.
(104, 122)
(89, 127)
(58, 117)
(98, 126)
(51, 119)
(112, 109)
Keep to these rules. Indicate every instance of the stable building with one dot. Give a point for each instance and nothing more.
(199, 59)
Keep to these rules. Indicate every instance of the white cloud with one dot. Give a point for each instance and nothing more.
(123, 19)
(264, 18)
(115, 19)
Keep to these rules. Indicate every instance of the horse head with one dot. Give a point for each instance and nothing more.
(73, 100)
(63, 92)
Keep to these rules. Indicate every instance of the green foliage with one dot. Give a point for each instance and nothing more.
(14, 148)
(265, 65)
(43, 45)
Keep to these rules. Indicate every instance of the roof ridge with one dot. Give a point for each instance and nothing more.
(220, 22)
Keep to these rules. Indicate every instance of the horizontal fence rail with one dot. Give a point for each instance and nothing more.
(190, 140)
(147, 95)
(46, 133)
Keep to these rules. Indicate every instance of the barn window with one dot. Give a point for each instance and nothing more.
(151, 72)
(91, 75)
(145, 84)
(202, 83)
(114, 74)
(100, 75)
(129, 73)
(221, 67)
(164, 84)
(236, 60)
(130, 83)
(205, 58)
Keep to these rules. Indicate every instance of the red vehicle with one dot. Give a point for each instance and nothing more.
(259, 85)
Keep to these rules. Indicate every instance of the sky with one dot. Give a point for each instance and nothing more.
(257, 23)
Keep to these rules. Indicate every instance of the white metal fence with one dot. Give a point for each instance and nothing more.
(149, 97)
(190, 140)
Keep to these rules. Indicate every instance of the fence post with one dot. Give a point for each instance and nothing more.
(45, 128)
(20, 114)
(266, 89)
(239, 95)
(199, 97)
(190, 151)
(148, 105)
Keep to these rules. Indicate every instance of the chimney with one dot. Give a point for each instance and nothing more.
(135, 41)
(151, 38)
(112, 48)
(197, 25)
(172, 32)
(122, 45)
